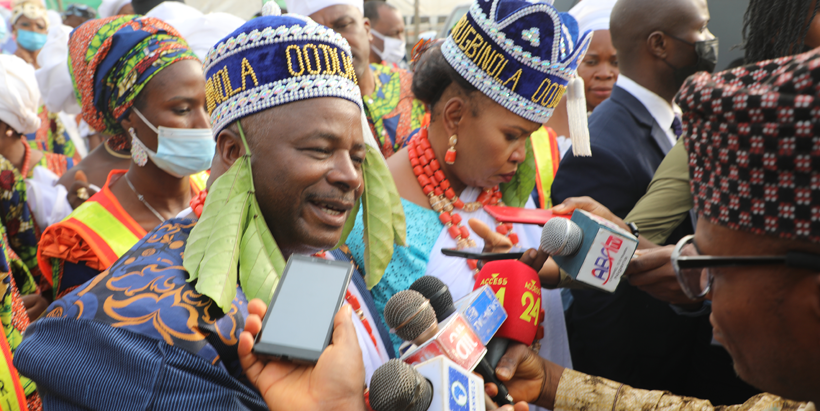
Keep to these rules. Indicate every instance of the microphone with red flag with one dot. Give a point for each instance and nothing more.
(518, 288)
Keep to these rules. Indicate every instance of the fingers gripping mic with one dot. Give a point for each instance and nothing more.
(561, 237)
(438, 293)
(397, 386)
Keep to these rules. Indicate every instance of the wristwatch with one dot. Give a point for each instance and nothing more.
(634, 228)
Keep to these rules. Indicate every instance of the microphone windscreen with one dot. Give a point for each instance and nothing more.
(518, 289)
(409, 314)
(397, 386)
(561, 237)
(438, 293)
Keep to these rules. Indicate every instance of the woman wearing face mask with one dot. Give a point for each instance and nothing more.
(136, 76)
(476, 150)
(29, 25)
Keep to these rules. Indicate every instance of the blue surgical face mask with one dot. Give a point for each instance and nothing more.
(30, 40)
(180, 151)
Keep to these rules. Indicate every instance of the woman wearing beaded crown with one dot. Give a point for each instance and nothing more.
(488, 88)
(134, 76)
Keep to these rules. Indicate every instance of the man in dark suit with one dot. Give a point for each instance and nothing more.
(629, 336)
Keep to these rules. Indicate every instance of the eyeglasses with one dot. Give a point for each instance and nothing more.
(695, 277)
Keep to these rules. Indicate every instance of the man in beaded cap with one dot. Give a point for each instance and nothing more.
(166, 318)
(754, 155)
(393, 112)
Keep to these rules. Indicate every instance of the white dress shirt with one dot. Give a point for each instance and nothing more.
(659, 109)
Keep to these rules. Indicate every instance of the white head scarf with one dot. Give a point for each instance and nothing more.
(592, 15)
(308, 7)
(53, 76)
(33, 9)
(19, 95)
(110, 8)
(201, 31)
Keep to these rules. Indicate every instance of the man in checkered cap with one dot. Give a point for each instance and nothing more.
(753, 138)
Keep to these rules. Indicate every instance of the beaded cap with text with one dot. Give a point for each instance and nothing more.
(753, 138)
(522, 54)
(275, 60)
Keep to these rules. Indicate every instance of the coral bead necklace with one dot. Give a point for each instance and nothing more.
(443, 198)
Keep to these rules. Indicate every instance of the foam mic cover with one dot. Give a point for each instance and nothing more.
(397, 386)
(518, 289)
(438, 293)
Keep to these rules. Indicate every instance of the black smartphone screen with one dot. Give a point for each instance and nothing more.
(299, 321)
(476, 253)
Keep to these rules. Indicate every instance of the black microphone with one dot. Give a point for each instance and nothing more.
(440, 299)
(397, 386)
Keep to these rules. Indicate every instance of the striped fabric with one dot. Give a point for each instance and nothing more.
(88, 365)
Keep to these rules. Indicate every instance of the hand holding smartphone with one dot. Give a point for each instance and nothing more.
(299, 322)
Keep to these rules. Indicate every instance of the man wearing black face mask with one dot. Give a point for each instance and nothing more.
(630, 336)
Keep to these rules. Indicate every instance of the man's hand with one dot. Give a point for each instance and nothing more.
(651, 271)
(493, 241)
(336, 382)
(80, 190)
(528, 377)
(591, 206)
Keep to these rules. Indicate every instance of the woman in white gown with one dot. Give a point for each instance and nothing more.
(488, 87)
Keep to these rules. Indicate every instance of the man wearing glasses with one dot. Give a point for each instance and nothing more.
(76, 14)
(753, 138)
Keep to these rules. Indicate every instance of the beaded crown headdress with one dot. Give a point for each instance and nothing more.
(521, 54)
(275, 60)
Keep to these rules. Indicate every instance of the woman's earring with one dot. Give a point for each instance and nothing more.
(450, 156)
(9, 132)
(138, 153)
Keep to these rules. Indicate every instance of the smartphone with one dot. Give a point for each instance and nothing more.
(299, 322)
(522, 215)
(477, 254)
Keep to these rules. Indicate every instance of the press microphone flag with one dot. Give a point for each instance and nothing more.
(518, 289)
(589, 248)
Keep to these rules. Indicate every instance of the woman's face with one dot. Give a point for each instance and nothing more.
(25, 23)
(174, 98)
(491, 142)
(599, 69)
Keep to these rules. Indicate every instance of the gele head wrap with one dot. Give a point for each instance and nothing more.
(754, 151)
(522, 54)
(112, 59)
(274, 60)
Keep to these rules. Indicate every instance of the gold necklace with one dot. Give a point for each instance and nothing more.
(114, 153)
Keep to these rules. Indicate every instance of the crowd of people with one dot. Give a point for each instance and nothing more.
(160, 164)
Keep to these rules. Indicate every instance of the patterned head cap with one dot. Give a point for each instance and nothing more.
(112, 59)
(521, 54)
(275, 60)
(753, 138)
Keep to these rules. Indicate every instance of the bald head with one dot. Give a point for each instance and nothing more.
(633, 21)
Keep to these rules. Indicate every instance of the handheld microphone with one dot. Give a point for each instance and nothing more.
(518, 288)
(409, 315)
(436, 385)
(438, 293)
(589, 248)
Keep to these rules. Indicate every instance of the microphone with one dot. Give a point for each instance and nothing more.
(436, 385)
(590, 249)
(438, 293)
(518, 288)
(412, 317)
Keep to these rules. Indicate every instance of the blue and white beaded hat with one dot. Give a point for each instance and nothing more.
(522, 54)
(275, 60)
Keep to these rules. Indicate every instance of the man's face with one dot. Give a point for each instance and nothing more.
(350, 23)
(766, 316)
(74, 21)
(692, 27)
(390, 24)
(308, 174)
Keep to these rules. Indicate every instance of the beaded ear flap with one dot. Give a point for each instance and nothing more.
(450, 155)
(138, 153)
